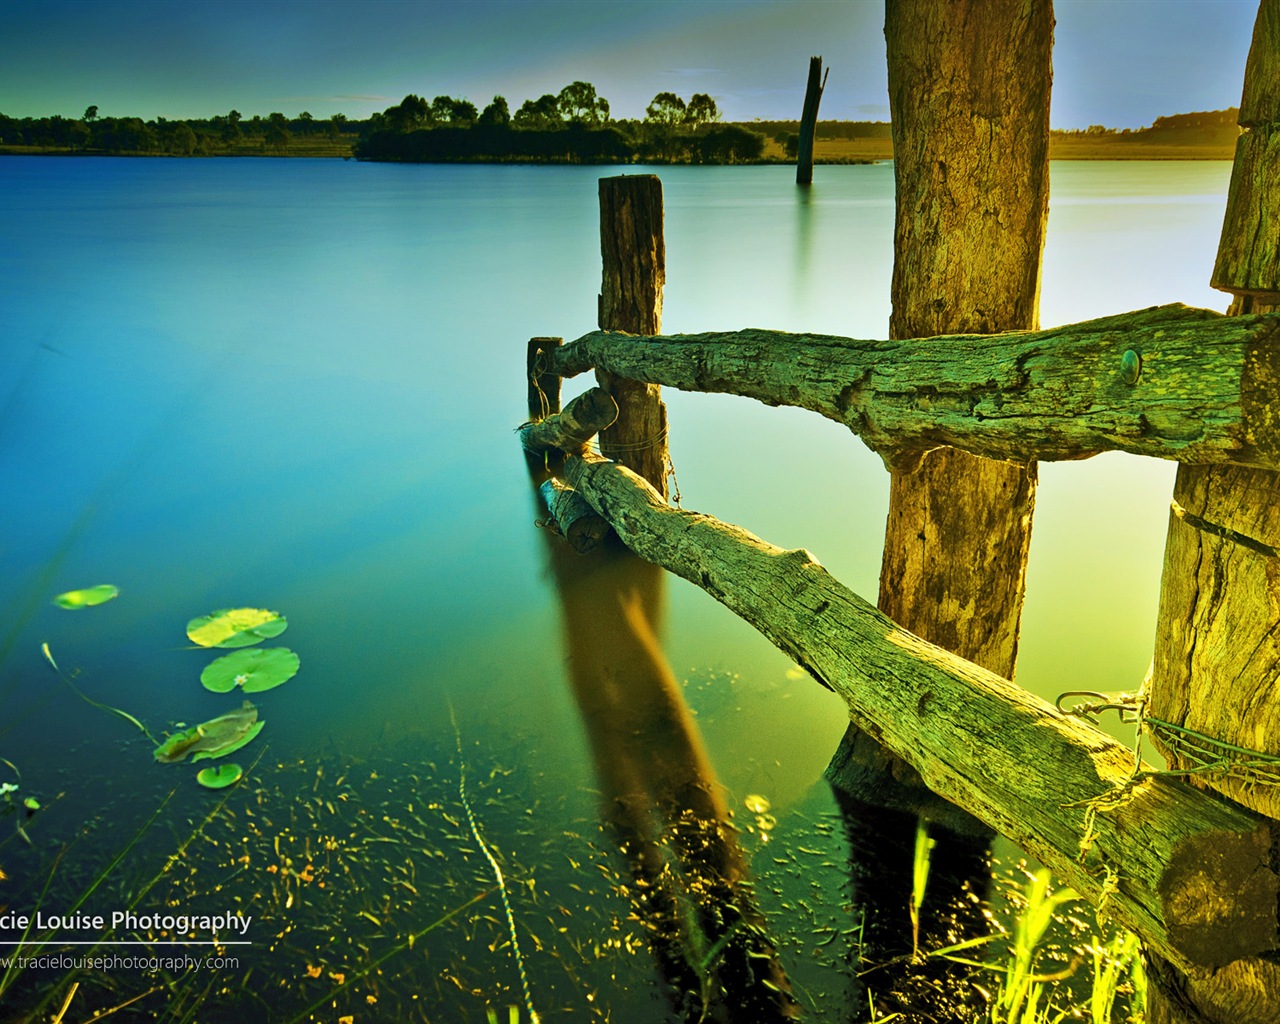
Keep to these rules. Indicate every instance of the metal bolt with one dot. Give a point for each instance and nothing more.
(1130, 366)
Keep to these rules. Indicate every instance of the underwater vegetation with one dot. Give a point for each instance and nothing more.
(251, 671)
(398, 885)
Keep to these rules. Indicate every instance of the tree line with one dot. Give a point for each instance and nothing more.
(219, 135)
(572, 126)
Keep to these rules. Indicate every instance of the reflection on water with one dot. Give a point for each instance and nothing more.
(291, 385)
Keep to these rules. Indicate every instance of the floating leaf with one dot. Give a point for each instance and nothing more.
(213, 738)
(252, 671)
(236, 627)
(87, 598)
(31, 804)
(221, 777)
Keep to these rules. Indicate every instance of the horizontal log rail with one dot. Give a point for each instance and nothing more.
(1173, 382)
(1190, 873)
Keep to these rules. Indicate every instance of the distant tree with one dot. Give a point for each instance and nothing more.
(542, 114)
(278, 119)
(229, 130)
(180, 138)
(410, 114)
(702, 109)
(497, 114)
(446, 110)
(305, 122)
(335, 125)
(731, 144)
(77, 134)
(276, 137)
(91, 113)
(579, 104)
(667, 108)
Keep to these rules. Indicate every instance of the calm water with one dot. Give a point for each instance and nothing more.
(292, 384)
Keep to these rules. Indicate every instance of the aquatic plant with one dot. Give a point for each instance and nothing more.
(214, 738)
(236, 627)
(253, 671)
(220, 777)
(919, 879)
(48, 655)
(88, 597)
(497, 872)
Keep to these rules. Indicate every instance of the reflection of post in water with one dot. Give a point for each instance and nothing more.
(881, 831)
(660, 793)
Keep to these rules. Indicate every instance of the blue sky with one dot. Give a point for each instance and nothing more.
(1120, 63)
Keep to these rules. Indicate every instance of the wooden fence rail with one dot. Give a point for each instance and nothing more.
(1172, 382)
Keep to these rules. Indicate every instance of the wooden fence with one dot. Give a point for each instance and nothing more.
(1194, 874)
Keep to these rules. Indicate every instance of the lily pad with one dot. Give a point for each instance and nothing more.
(214, 738)
(221, 777)
(236, 627)
(253, 671)
(88, 597)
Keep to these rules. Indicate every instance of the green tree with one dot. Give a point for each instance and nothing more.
(410, 114)
(667, 109)
(276, 137)
(305, 122)
(496, 114)
(335, 125)
(454, 113)
(542, 114)
(91, 113)
(702, 109)
(579, 104)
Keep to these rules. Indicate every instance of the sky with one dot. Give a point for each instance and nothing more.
(1118, 63)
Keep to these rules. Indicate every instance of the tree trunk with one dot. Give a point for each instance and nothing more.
(1217, 660)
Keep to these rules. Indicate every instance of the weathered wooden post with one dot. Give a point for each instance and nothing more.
(969, 94)
(635, 267)
(809, 121)
(1217, 656)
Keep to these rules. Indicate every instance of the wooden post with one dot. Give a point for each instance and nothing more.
(809, 121)
(634, 257)
(1217, 656)
(969, 95)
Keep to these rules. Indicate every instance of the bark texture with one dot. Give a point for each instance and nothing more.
(1168, 861)
(969, 94)
(1217, 645)
(1171, 382)
(634, 271)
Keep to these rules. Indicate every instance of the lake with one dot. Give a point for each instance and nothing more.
(293, 385)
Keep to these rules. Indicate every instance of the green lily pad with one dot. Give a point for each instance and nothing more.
(253, 671)
(87, 598)
(236, 627)
(220, 777)
(214, 738)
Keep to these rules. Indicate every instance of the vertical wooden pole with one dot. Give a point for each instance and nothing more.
(634, 257)
(1217, 655)
(969, 95)
(809, 121)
